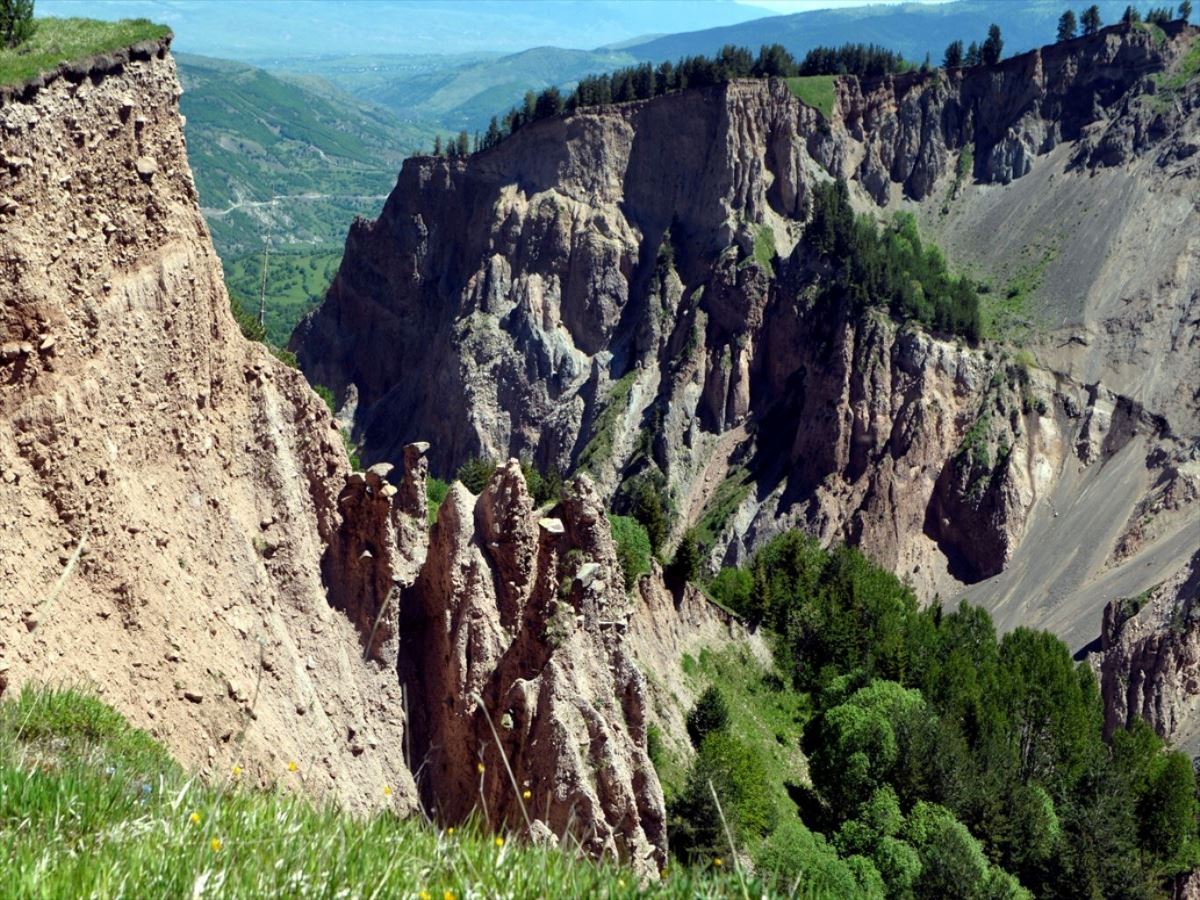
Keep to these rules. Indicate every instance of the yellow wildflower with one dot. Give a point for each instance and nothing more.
(527, 794)
(215, 843)
(195, 818)
(448, 895)
(480, 768)
(499, 841)
(387, 790)
(620, 882)
(292, 766)
(450, 831)
(236, 771)
(425, 895)
(717, 862)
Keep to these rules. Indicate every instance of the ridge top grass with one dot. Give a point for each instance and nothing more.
(56, 41)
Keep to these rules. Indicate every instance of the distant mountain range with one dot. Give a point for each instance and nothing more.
(912, 28)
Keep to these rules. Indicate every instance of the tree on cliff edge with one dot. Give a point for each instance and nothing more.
(1066, 26)
(1185, 10)
(953, 57)
(1091, 19)
(16, 22)
(993, 47)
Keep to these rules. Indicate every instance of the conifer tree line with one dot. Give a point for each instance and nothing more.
(645, 81)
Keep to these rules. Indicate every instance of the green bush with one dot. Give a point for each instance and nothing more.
(16, 22)
(435, 492)
(327, 395)
(733, 588)
(633, 548)
(797, 862)
(475, 473)
(735, 772)
(686, 565)
(709, 715)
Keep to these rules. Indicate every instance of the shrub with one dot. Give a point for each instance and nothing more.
(709, 715)
(435, 492)
(800, 863)
(633, 548)
(16, 22)
(327, 395)
(685, 566)
(737, 775)
(475, 473)
(734, 589)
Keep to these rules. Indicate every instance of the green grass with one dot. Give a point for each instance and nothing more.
(1008, 315)
(60, 40)
(763, 711)
(815, 91)
(435, 492)
(764, 251)
(1170, 83)
(599, 448)
(722, 505)
(92, 807)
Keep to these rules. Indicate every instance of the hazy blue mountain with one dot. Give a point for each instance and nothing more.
(912, 28)
(461, 96)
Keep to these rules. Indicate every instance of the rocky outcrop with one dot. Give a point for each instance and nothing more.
(1151, 658)
(526, 704)
(168, 488)
(628, 290)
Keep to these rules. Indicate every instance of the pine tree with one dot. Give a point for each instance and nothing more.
(973, 58)
(1066, 26)
(1185, 9)
(1091, 19)
(437, 142)
(993, 47)
(462, 145)
(1131, 15)
(954, 55)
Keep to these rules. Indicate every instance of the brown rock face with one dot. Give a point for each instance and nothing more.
(1151, 657)
(518, 678)
(168, 489)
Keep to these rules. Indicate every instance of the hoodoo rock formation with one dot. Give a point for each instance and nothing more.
(182, 531)
(525, 701)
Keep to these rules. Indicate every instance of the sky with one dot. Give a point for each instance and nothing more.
(256, 29)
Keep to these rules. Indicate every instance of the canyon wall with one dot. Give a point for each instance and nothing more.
(628, 290)
(183, 535)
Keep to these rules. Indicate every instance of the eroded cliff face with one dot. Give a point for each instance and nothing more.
(1151, 658)
(183, 533)
(168, 489)
(628, 290)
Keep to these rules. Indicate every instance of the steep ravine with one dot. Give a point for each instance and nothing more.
(595, 292)
(588, 293)
(182, 532)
